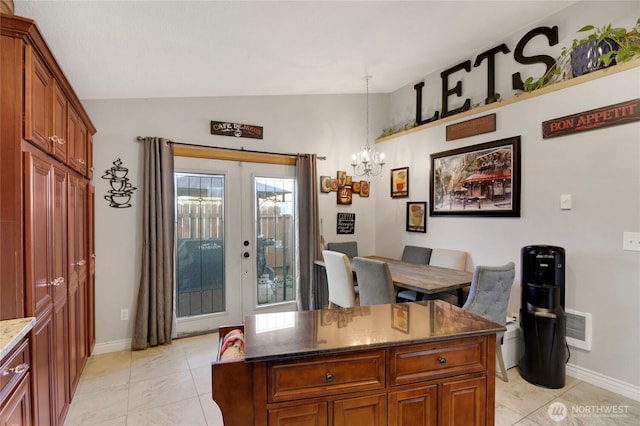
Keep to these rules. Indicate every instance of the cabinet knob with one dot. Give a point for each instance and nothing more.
(442, 361)
(18, 369)
(329, 377)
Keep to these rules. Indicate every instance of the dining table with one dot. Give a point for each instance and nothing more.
(426, 280)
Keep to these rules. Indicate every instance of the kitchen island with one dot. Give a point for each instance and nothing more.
(420, 363)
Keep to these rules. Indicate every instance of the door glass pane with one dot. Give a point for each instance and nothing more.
(275, 240)
(200, 244)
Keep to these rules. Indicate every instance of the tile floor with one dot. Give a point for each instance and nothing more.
(171, 385)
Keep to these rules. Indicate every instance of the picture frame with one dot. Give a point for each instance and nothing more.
(400, 317)
(325, 183)
(416, 216)
(400, 182)
(355, 187)
(365, 188)
(341, 175)
(477, 180)
(344, 195)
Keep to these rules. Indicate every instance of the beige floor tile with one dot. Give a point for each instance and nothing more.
(159, 391)
(95, 408)
(187, 412)
(505, 416)
(158, 363)
(202, 379)
(211, 410)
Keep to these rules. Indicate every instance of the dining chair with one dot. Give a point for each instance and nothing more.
(350, 248)
(339, 279)
(453, 259)
(415, 254)
(418, 255)
(374, 281)
(489, 298)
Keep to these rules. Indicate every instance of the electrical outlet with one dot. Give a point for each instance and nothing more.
(124, 314)
(565, 202)
(631, 241)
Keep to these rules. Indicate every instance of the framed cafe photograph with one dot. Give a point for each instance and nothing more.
(325, 183)
(478, 180)
(416, 216)
(400, 182)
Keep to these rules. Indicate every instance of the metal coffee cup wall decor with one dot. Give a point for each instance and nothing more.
(121, 189)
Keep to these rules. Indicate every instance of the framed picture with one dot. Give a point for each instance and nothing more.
(345, 195)
(400, 317)
(342, 178)
(334, 185)
(355, 187)
(417, 216)
(364, 188)
(400, 182)
(325, 183)
(478, 180)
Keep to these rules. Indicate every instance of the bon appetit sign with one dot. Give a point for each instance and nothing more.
(237, 130)
(624, 112)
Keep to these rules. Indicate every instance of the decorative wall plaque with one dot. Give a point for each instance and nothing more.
(121, 189)
(237, 130)
(624, 112)
(476, 126)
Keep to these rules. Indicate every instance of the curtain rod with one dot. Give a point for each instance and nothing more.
(141, 139)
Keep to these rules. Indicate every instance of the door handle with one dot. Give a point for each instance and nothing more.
(246, 243)
(246, 254)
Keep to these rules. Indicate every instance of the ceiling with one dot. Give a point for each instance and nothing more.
(148, 49)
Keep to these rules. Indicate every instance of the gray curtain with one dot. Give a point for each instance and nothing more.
(154, 314)
(308, 243)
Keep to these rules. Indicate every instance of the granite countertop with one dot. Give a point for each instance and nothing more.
(295, 334)
(12, 331)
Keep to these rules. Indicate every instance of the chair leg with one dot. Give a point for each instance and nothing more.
(503, 371)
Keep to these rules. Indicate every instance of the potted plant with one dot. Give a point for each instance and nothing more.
(603, 47)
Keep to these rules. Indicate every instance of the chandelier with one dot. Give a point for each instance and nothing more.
(367, 162)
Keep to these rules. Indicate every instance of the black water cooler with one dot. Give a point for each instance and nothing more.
(542, 320)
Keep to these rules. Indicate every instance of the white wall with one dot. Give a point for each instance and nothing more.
(331, 126)
(599, 168)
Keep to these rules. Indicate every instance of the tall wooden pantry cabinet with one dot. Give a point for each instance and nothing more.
(46, 216)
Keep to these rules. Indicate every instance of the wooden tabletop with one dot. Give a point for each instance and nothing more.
(425, 278)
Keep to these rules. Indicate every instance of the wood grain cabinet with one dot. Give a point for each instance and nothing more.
(15, 396)
(45, 144)
(445, 382)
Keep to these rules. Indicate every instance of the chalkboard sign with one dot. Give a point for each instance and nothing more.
(346, 223)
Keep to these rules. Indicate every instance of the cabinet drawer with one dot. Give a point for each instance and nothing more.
(13, 368)
(326, 376)
(432, 361)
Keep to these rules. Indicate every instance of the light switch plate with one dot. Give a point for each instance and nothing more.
(565, 202)
(631, 241)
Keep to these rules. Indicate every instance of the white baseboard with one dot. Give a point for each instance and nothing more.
(113, 346)
(605, 382)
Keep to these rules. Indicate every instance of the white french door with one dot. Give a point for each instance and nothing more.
(236, 241)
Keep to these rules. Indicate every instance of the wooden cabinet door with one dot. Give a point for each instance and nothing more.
(42, 365)
(73, 121)
(37, 100)
(17, 410)
(38, 233)
(414, 407)
(59, 232)
(60, 370)
(463, 402)
(59, 124)
(91, 279)
(365, 411)
(301, 415)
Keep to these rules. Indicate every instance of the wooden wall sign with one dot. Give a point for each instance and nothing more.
(624, 112)
(476, 126)
(237, 130)
(346, 223)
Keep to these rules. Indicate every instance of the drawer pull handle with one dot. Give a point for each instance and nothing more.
(18, 369)
(329, 377)
(442, 361)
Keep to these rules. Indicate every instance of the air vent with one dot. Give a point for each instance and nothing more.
(578, 329)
